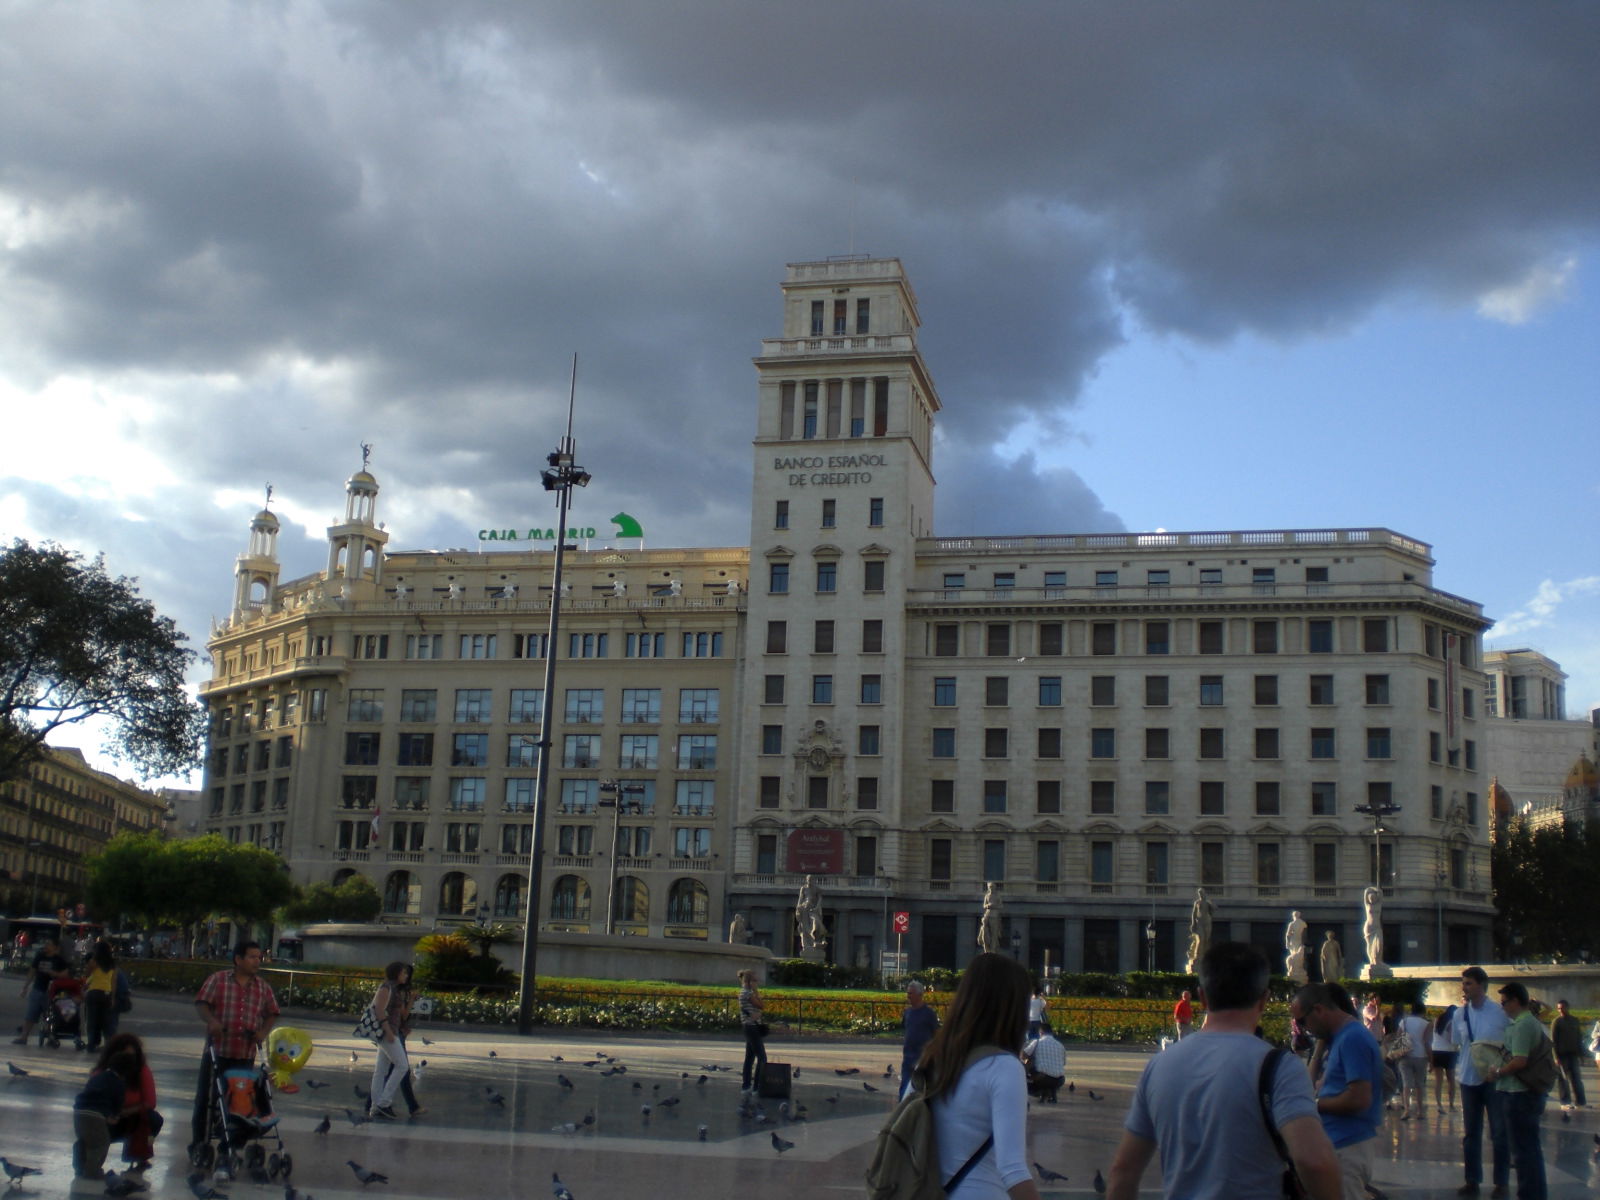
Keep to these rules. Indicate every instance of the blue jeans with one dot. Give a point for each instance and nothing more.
(1522, 1112)
(1478, 1100)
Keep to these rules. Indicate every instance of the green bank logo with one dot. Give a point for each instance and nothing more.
(627, 527)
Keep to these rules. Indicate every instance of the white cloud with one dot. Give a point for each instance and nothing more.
(1518, 303)
(1539, 612)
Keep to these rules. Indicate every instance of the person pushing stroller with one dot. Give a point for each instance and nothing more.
(239, 1010)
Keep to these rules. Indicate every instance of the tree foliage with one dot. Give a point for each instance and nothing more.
(77, 644)
(1540, 876)
(354, 900)
(141, 877)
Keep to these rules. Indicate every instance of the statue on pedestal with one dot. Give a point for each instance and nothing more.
(1294, 945)
(1332, 959)
(619, 588)
(808, 918)
(677, 586)
(1372, 934)
(989, 930)
(1199, 929)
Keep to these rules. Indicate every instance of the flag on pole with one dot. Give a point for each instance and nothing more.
(377, 813)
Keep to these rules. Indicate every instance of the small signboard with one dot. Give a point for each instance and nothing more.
(891, 962)
(902, 922)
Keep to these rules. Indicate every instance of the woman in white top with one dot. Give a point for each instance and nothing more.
(973, 1075)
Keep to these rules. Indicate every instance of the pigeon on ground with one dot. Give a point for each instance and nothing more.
(314, 1084)
(493, 1097)
(124, 1185)
(425, 1041)
(355, 1118)
(1099, 1183)
(365, 1175)
(362, 1093)
(833, 1099)
(609, 1072)
(644, 1111)
(563, 1081)
(668, 1102)
(701, 1081)
(637, 1086)
(16, 1071)
(868, 1086)
(701, 1131)
(353, 1057)
(889, 1070)
(779, 1144)
(557, 1058)
(797, 1072)
(558, 1189)
(492, 1054)
(842, 1071)
(1072, 1087)
(1049, 1176)
(1092, 1095)
(16, 1172)
(323, 1125)
(203, 1190)
(588, 1117)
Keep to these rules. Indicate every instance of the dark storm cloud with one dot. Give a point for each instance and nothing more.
(397, 222)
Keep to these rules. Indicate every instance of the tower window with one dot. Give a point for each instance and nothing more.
(863, 314)
(830, 513)
(780, 517)
(880, 407)
(841, 316)
(816, 318)
(808, 421)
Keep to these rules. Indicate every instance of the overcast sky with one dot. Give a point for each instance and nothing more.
(1189, 266)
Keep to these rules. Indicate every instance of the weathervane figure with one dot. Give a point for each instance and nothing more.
(268, 504)
(366, 454)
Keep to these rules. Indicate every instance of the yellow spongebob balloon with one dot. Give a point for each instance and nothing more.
(288, 1050)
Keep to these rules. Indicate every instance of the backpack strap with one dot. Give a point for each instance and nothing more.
(976, 1054)
(1264, 1084)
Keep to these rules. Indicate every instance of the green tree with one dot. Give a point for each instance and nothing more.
(77, 644)
(354, 900)
(1537, 873)
(183, 883)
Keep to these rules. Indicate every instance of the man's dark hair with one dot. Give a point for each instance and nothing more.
(1233, 975)
(1478, 975)
(244, 948)
(1326, 994)
(1417, 1008)
(1515, 991)
(1341, 999)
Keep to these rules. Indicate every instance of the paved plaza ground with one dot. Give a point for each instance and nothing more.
(467, 1146)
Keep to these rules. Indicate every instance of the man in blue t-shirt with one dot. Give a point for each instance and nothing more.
(1350, 1100)
(921, 1024)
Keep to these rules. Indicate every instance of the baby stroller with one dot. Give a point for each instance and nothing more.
(241, 1134)
(63, 1016)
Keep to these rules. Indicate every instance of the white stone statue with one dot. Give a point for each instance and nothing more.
(733, 587)
(677, 586)
(738, 930)
(401, 591)
(1332, 959)
(990, 935)
(619, 588)
(1294, 945)
(566, 590)
(456, 590)
(1372, 928)
(509, 592)
(1200, 916)
(808, 916)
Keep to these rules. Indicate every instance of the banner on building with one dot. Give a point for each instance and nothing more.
(816, 852)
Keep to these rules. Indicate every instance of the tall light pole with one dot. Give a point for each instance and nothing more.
(1378, 810)
(562, 476)
(608, 799)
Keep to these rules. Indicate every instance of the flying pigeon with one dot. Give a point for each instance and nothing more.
(557, 1058)
(203, 1190)
(365, 1175)
(1099, 1183)
(323, 1125)
(559, 1189)
(1049, 1176)
(779, 1144)
(16, 1071)
(493, 1097)
(16, 1171)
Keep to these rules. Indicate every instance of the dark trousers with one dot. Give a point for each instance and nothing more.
(755, 1053)
(205, 1095)
(1480, 1100)
(1522, 1113)
(99, 1018)
(1571, 1079)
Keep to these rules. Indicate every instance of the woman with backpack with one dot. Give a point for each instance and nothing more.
(976, 1086)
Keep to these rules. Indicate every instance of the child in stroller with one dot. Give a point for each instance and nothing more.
(63, 1012)
(239, 1121)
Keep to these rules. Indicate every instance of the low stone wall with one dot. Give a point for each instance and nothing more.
(1578, 985)
(570, 955)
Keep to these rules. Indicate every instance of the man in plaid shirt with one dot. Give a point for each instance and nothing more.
(239, 1010)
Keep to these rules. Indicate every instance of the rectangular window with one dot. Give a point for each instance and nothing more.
(772, 739)
(360, 749)
(1103, 637)
(1054, 580)
(1436, 802)
(1269, 802)
(1212, 743)
(1324, 799)
(1323, 743)
(424, 645)
(994, 859)
(778, 578)
(527, 706)
(1047, 862)
(1155, 864)
(645, 645)
(585, 706)
(1101, 864)
(1049, 743)
(695, 798)
(954, 580)
(944, 691)
(944, 743)
(1375, 635)
(530, 645)
(699, 706)
(830, 514)
(1004, 580)
(996, 691)
(587, 645)
(866, 863)
(994, 795)
(365, 704)
(1103, 797)
(822, 689)
(772, 689)
(1211, 690)
(869, 739)
(416, 750)
(467, 794)
(642, 751)
(1319, 637)
(1435, 746)
(1320, 691)
(827, 577)
(875, 511)
(419, 704)
(1102, 690)
(942, 796)
(1052, 638)
(702, 645)
(641, 706)
(1268, 864)
(771, 790)
(872, 637)
(1316, 574)
(1378, 742)
(1102, 743)
(863, 314)
(817, 791)
(581, 750)
(1155, 743)
(356, 791)
(1157, 797)
(1469, 708)
(997, 640)
(1377, 689)
(777, 637)
(1324, 864)
(1157, 578)
(316, 704)
(1210, 637)
(1433, 694)
(780, 516)
(1047, 796)
(1157, 637)
(1213, 798)
(939, 860)
(1157, 692)
(946, 640)
(476, 645)
(1267, 690)
(996, 743)
(1049, 691)
(1469, 755)
(1213, 860)
(372, 645)
(1105, 579)
(872, 689)
(1266, 743)
(411, 792)
(522, 750)
(1264, 637)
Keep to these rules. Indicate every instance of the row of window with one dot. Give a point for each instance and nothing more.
(827, 576)
(581, 751)
(525, 706)
(469, 793)
(1261, 577)
(828, 517)
(468, 837)
(825, 410)
(688, 902)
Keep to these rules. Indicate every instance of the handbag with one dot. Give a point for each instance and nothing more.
(1293, 1189)
(762, 1029)
(369, 1027)
(1398, 1045)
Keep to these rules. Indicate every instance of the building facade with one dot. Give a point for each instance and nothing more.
(1097, 724)
(1542, 764)
(61, 811)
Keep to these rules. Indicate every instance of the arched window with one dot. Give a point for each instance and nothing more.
(402, 893)
(633, 899)
(508, 897)
(687, 903)
(458, 895)
(569, 899)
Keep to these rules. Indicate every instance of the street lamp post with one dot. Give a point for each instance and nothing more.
(608, 799)
(1150, 946)
(562, 476)
(1378, 810)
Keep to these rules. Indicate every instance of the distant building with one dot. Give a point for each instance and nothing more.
(61, 812)
(1539, 759)
(1096, 723)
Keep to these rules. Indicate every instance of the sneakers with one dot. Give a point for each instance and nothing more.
(418, 1111)
(384, 1112)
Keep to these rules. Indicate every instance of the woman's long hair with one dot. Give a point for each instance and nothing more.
(127, 1048)
(990, 1009)
(103, 957)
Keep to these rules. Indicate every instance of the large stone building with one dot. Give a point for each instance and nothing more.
(61, 811)
(1097, 723)
(1542, 764)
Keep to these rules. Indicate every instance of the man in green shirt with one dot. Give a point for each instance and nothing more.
(1522, 1106)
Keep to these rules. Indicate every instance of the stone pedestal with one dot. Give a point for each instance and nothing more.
(815, 954)
(1377, 971)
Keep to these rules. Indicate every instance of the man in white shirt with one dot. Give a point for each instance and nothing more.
(1046, 1059)
(1477, 1019)
(1413, 1067)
